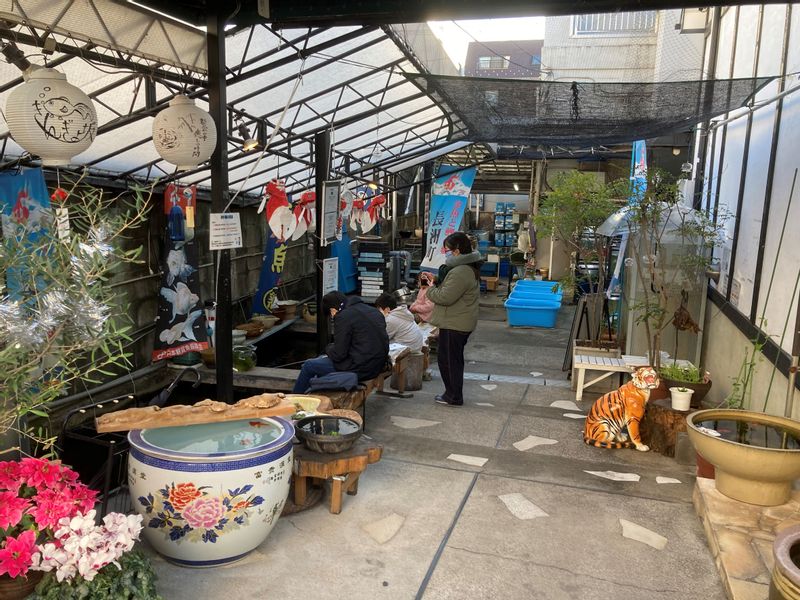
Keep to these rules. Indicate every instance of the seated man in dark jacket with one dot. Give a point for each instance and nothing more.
(360, 343)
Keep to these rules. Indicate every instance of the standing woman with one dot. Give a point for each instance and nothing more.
(455, 297)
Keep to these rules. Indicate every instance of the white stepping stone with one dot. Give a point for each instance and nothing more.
(532, 441)
(574, 416)
(641, 534)
(536, 374)
(410, 423)
(522, 508)
(484, 404)
(489, 386)
(475, 461)
(614, 475)
(565, 404)
(384, 529)
(661, 479)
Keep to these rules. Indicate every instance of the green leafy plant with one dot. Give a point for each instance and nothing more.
(690, 374)
(577, 205)
(133, 580)
(65, 325)
(742, 386)
(671, 245)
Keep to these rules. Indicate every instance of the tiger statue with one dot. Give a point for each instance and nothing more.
(615, 416)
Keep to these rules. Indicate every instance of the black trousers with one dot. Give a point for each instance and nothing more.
(450, 356)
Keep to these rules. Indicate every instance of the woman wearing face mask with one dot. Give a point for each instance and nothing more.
(455, 295)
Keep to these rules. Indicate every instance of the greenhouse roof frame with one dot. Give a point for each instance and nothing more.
(351, 80)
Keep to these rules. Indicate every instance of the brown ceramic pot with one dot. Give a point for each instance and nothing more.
(18, 588)
(785, 584)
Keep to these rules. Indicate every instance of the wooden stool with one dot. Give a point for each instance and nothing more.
(343, 469)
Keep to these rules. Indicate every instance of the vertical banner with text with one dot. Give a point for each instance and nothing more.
(271, 269)
(448, 202)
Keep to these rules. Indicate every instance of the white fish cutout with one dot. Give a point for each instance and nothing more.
(181, 332)
(181, 298)
(177, 266)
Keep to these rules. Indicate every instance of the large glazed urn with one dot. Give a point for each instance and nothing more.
(210, 493)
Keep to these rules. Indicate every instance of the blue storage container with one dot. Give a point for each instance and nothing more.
(509, 222)
(500, 207)
(531, 284)
(535, 293)
(504, 267)
(532, 312)
(499, 239)
(499, 222)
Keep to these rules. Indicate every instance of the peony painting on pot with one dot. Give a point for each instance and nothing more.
(210, 493)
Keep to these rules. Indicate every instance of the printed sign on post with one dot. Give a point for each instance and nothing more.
(225, 231)
(331, 193)
(330, 275)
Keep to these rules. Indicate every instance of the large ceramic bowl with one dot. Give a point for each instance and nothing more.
(744, 471)
(210, 493)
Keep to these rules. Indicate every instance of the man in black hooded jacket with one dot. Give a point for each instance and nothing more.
(360, 343)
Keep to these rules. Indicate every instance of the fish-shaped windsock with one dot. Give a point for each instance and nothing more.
(280, 217)
(304, 213)
(373, 214)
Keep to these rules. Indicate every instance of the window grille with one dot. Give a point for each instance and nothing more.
(493, 62)
(627, 23)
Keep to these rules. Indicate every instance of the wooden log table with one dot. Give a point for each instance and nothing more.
(661, 425)
(342, 469)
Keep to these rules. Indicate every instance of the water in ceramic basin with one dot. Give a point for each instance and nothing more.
(213, 438)
(753, 434)
(330, 427)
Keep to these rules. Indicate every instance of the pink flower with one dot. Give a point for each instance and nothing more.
(11, 509)
(204, 512)
(9, 476)
(52, 506)
(40, 473)
(17, 556)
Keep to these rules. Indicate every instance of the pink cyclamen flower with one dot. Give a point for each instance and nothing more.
(204, 512)
(11, 509)
(17, 555)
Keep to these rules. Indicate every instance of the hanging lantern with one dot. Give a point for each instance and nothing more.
(184, 134)
(51, 118)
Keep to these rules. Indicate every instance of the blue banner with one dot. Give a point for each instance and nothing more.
(448, 203)
(271, 269)
(26, 218)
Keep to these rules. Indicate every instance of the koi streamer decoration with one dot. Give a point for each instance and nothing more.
(279, 215)
(304, 214)
(374, 212)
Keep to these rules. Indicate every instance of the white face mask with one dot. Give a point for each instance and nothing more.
(448, 253)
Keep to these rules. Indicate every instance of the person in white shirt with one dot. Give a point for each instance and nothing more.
(400, 324)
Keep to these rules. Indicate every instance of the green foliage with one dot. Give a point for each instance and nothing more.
(135, 581)
(742, 385)
(62, 277)
(672, 246)
(685, 374)
(579, 203)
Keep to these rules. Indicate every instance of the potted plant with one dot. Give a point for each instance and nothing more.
(61, 323)
(681, 398)
(671, 245)
(49, 539)
(686, 376)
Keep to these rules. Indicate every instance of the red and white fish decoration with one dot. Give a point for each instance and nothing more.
(304, 214)
(279, 215)
(357, 210)
(373, 214)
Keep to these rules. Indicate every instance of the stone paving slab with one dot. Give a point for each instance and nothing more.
(314, 554)
(576, 552)
(740, 537)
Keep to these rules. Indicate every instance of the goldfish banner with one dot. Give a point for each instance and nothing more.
(26, 217)
(270, 278)
(448, 202)
(180, 323)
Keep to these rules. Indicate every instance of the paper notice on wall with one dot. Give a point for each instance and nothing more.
(330, 275)
(225, 231)
(736, 287)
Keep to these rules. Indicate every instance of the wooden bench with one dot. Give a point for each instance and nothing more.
(609, 366)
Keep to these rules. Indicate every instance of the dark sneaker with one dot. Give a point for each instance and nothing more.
(441, 400)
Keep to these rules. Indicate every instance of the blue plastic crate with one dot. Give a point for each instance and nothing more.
(500, 207)
(532, 312)
(536, 293)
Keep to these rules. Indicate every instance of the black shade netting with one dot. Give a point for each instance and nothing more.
(526, 112)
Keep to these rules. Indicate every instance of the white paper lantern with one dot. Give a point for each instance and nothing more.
(50, 117)
(184, 134)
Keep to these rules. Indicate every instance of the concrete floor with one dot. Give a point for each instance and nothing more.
(526, 524)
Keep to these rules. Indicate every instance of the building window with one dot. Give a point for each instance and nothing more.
(493, 62)
(627, 23)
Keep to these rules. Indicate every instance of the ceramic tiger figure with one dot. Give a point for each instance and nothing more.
(615, 416)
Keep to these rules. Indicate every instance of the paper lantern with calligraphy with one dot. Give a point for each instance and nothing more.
(184, 134)
(51, 118)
